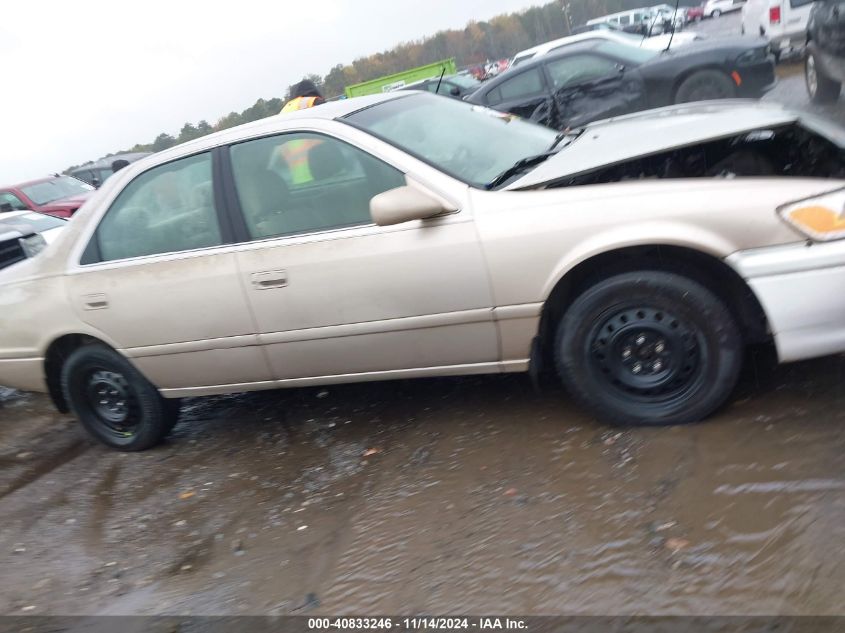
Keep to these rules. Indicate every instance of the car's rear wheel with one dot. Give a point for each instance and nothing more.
(821, 88)
(648, 348)
(114, 402)
(704, 85)
(716, 13)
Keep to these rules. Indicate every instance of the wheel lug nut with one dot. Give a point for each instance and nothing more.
(640, 339)
(659, 347)
(626, 353)
(637, 368)
(657, 365)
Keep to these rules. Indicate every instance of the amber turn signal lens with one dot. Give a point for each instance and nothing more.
(820, 218)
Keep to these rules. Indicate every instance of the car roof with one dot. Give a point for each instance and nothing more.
(30, 182)
(581, 44)
(107, 161)
(326, 111)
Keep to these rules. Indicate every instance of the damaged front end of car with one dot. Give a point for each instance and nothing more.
(680, 142)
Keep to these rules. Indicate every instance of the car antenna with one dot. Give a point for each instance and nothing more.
(674, 18)
(442, 72)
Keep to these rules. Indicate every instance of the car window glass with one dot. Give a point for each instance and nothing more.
(10, 202)
(167, 209)
(624, 19)
(799, 3)
(525, 84)
(578, 69)
(301, 183)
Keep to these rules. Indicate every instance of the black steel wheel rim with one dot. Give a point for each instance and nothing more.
(647, 354)
(111, 400)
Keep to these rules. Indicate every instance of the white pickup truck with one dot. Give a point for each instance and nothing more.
(783, 22)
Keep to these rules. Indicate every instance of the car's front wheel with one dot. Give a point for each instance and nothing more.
(114, 402)
(716, 13)
(648, 348)
(705, 85)
(821, 88)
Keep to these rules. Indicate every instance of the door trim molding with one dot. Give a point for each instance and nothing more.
(401, 324)
(313, 381)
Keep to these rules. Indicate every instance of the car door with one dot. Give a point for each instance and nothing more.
(524, 94)
(589, 87)
(336, 296)
(157, 280)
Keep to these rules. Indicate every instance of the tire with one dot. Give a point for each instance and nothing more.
(705, 85)
(716, 13)
(114, 402)
(648, 348)
(821, 88)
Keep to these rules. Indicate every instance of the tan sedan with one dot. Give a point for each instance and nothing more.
(412, 235)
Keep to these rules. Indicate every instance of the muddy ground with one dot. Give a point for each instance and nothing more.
(466, 495)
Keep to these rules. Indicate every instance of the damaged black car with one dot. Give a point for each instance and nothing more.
(599, 78)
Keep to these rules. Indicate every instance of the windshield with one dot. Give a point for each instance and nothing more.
(55, 189)
(630, 53)
(472, 143)
(38, 222)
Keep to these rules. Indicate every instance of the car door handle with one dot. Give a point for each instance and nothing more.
(98, 301)
(269, 279)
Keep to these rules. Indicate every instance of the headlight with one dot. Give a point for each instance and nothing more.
(821, 218)
(32, 245)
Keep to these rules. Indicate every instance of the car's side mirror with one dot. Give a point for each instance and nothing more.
(404, 204)
(455, 91)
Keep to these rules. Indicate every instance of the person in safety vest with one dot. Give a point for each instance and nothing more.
(303, 95)
(295, 153)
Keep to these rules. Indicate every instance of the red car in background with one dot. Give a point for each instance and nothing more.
(59, 196)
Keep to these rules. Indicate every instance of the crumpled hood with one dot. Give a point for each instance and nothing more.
(611, 141)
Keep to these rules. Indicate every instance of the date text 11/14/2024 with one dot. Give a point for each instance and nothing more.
(418, 623)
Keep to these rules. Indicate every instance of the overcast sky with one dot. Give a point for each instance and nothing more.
(86, 78)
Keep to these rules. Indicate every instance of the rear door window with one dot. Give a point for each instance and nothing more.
(166, 209)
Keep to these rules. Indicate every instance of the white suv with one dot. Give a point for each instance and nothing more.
(784, 22)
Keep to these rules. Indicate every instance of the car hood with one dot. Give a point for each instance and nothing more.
(662, 42)
(611, 141)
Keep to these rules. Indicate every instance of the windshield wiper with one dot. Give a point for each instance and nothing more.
(518, 167)
(523, 164)
(566, 134)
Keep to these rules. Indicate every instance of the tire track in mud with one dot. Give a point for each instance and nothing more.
(45, 465)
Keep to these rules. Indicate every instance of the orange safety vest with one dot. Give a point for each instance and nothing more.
(299, 103)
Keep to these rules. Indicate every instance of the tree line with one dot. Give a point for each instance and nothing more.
(498, 38)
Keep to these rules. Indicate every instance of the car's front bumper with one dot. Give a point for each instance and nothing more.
(801, 288)
(757, 78)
